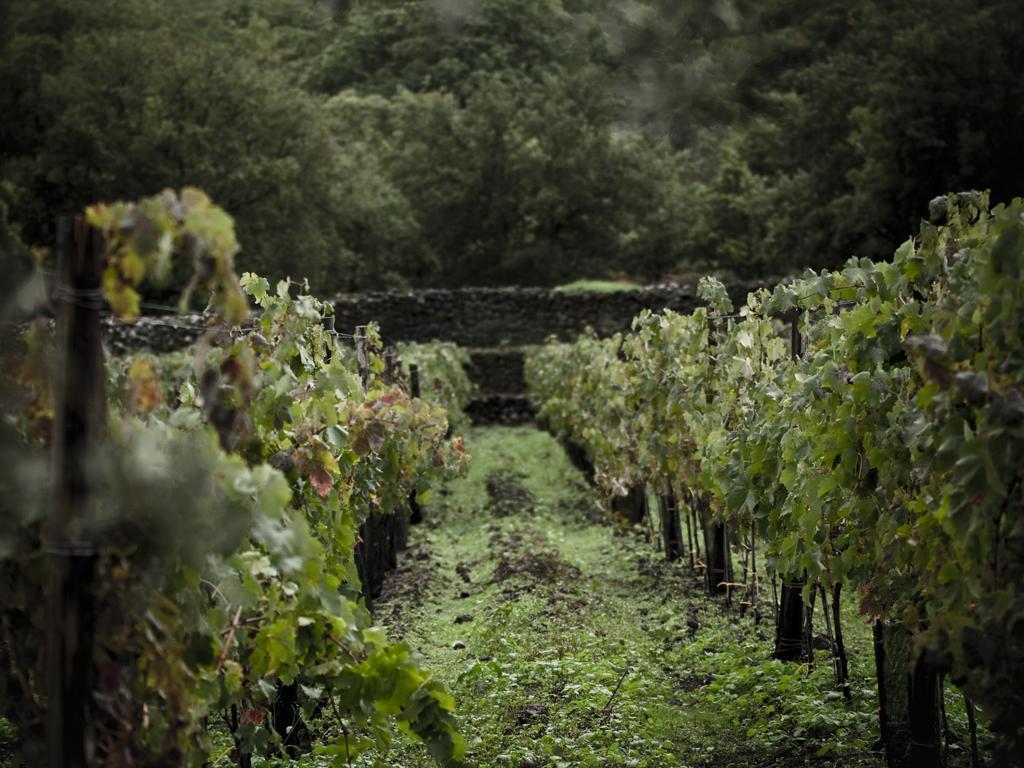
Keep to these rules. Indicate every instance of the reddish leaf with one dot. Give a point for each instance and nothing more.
(321, 480)
(251, 715)
(391, 397)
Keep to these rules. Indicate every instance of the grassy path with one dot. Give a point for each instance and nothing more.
(569, 643)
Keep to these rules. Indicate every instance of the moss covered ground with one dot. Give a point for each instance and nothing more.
(569, 642)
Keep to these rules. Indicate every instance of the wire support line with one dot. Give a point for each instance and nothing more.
(844, 304)
(85, 299)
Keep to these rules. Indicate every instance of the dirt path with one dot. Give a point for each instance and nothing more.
(566, 640)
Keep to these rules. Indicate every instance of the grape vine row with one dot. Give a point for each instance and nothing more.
(227, 495)
(883, 450)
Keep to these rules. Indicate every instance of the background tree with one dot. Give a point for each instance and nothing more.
(429, 142)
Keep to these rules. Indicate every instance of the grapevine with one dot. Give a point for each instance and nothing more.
(884, 455)
(231, 487)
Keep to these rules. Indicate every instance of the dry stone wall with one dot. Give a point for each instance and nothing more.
(513, 316)
(495, 323)
(483, 318)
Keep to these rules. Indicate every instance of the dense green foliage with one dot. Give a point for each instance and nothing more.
(887, 456)
(442, 376)
(228, 497)
(420, 142)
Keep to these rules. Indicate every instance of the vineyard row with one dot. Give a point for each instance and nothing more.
(198, 586)
(866, 426)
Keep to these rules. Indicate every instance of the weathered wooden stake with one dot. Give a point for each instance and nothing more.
(79, 420)
(362, 355)
(364, 555)
(415, 512)
(689, 532)
(840, 647)
(972, 724)
(414, 380)
(830, 636)
(671, 531)
(809, 627)
(753, 572)
(793, 620)
(796, 347)
(789, 621)
(696, 539)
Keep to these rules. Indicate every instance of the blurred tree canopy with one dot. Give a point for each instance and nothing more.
(376, 143)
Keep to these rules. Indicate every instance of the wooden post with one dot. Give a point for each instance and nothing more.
(414, 380)
(395, 520)
(808, 634)
(630, 506)
(404, 517)
(689, 534)
(364, 561)
(796, 347)
(362, 355)
(830, 636)
(695, 521)
(327, 321)
(972, 725)
(717, 555)
(753, 573)
(671, 532)
(925, 714)
(792, 627)
(364, 555)
(729, 577)
(840, 646)
(79, 421)
(789, 620)
(686, 516)
(415, 512)
(878, 638)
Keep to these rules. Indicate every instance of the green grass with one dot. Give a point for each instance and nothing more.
(586, 649)
(598, 286)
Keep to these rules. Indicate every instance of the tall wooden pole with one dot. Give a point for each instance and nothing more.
(415, 512)
(79, 421)
(362, 355)
(789, 618)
